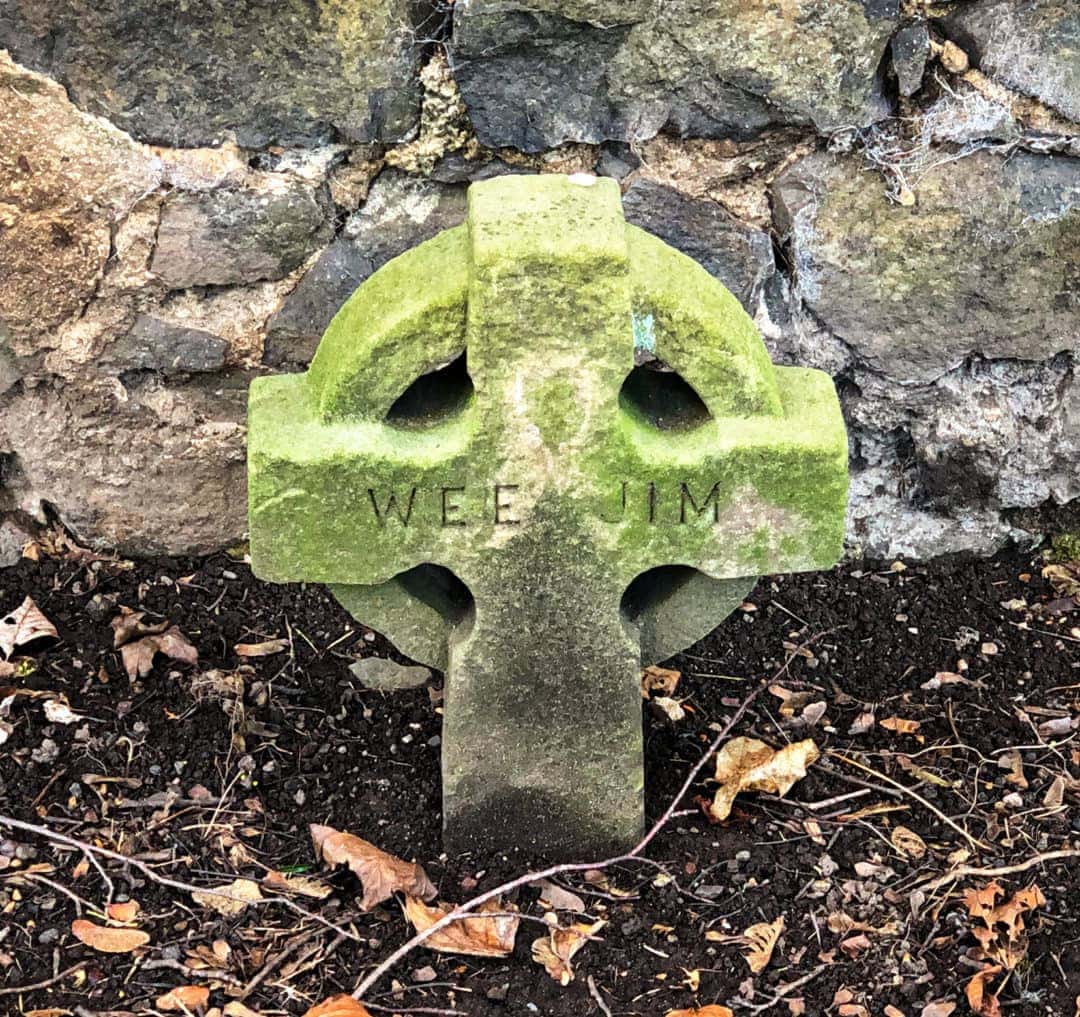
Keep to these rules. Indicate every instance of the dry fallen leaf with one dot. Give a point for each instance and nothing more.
(57, 712)
(939, 1008)
(338, 1006)
(670, 708)
(234, 1008)
(138, 657)
(245, 889)
(267, 649)
(713, 1010)
(983, 1002)
(123, 911)
(1000, 928)
(380, 873)
(306, 886)
(1014, 763)
(1055, 793)
(659, 679)
(900, 725)
(558, 898)
(129, 624)
(184, 998)
(25, 624)
(483, 936)
(108, 940)
(745, 764)
(555, 950)
(908, 842)
(762, 939)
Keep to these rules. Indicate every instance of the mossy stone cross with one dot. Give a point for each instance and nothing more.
(476, 466)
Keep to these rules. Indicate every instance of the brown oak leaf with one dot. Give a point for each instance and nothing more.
(981, 1001)
(745, 764)
(138, 657)
(490, 934)
(761, 939)
(555, 950)
(380, 873)
(25, 624)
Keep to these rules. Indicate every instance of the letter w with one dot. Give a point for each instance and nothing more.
(392, 506)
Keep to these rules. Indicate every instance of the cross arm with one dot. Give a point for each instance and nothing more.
(737, 496)
(352, 501)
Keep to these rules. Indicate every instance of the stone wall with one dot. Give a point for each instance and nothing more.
(189, 191)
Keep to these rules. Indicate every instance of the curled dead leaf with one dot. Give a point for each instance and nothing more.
(659, 679)
(338, 1006)
(761, 939)
(380, 873)
(265, 649)
(745, 764)
(306, 886)
(556, 897)
(555, 950)
(490, 934)
(123, 911)
(241, 893)
(908, 842)
(184, 998)
(670, 708)
(900, 725)
(1000, 928)
(25, 624)
(712, 1010)
(980, 999)
(138, 657)
(106, 940)
(938, 1008)
(129, 624)
(58, 712)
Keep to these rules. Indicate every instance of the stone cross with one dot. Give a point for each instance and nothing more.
(479, 470)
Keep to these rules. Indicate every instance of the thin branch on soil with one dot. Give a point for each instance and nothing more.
(174, 965)
(90, 850)
(964, 871)
(15, 989)
(973, 841)
(464, 910)
(276, 961)
(785, 990)
(595, 993)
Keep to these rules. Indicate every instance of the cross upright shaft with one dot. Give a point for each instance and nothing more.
(544, 492)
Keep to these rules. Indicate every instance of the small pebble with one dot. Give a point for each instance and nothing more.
(229, 575)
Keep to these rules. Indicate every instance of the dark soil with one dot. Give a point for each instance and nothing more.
(311, 745)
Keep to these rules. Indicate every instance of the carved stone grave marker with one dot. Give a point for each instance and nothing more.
(477, 467)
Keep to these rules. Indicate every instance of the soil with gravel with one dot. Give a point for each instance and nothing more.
(204, 789)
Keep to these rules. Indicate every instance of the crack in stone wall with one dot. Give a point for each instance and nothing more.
(914, 230)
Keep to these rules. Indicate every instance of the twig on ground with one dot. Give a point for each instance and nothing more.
(15, 989)
(595, 993)
(90, 850)
(973, 841)
(174, 965)
(964, 871)
(276, 961)
(784, 990)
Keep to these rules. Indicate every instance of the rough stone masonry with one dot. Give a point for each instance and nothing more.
(476, 465)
